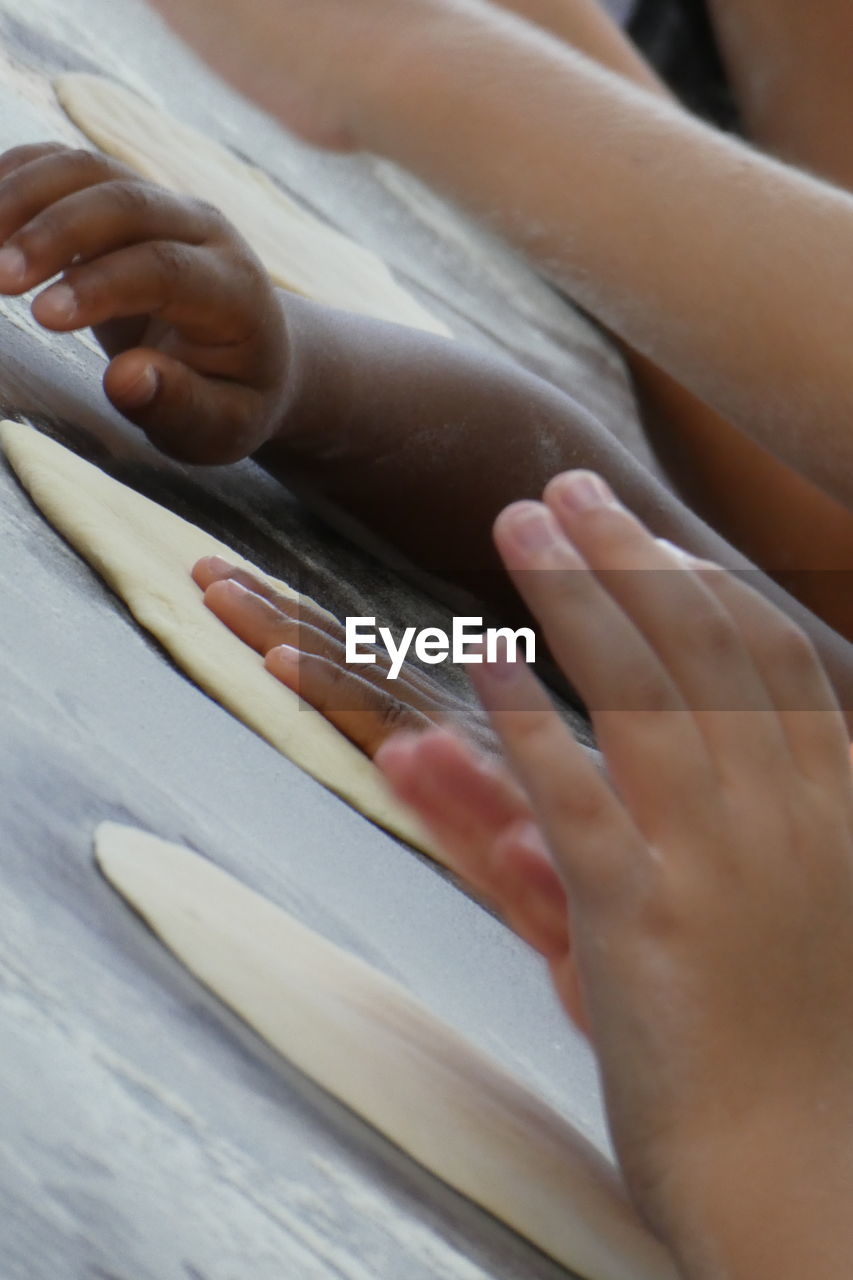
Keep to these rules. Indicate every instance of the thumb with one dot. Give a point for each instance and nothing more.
(189, 416)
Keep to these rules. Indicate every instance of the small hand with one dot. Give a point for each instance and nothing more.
(708, 880)
(191, 322)
(306, 650)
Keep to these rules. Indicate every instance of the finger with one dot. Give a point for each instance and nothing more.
(444, 778)
(264, 623)
(530, 892)
(209, 298)
(101, 219)
(481, 821)
(794, 677)
(595, 843)
(363, 712)
(650, 739)
(694, 637)
(17, 157)
(193, 418)
(28, 187)
(214, 569)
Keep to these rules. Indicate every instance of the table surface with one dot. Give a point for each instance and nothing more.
(145, 1133)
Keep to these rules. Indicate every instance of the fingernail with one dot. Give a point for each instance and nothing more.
(235, 588)
(217, 565)
(59, 304)
(532, 529)
(677, 551)
(284, 655)
(13, 265)
(685, 558)
(142, 390)
(582, 491)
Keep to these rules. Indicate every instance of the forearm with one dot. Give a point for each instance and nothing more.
(727, 269)
(423, 442)
(789, 64)
(587, 27)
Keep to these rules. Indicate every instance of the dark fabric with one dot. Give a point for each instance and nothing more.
(678, 39)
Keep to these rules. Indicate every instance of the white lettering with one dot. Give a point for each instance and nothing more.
(432, 646)
(510, 644)
(462, 636)
(354, 638)
(469, 644)
(397, 653)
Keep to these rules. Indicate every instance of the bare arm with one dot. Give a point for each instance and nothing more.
(789, 64)
(423, 441)
(796, 531)
(701, 254)
(588, 27)
(731, 271)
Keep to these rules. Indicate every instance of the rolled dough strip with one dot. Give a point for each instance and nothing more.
(146, 553)
(366, 1041)
(301, 253)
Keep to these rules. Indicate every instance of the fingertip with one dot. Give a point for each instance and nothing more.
(202, 574)
(13, 270)
(515, 514)
(574, 493)
(397, 752)
(444, 747)
(222, 592)
(283, 661)
(57, 308)
(136, 390)
(211, 569)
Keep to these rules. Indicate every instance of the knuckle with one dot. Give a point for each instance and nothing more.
(168, 259)
(394, 715)
(713, 634)
(27, 152)
(89, 163)
(131, 198)
(208, 214)
(788, 649)
(40, 236)
(583, 803)
(327, 685)
(568, 589)
(646, 694)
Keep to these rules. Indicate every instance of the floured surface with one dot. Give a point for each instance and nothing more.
(144, 1134)
(374, 1048)
(300, 253)
(146, 554)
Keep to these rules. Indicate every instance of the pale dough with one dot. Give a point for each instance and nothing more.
(145, 553)
(366, 1041)
(301, 253)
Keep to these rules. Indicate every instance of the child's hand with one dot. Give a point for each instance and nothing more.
(710, 882)
(188, 316)
(305, 649)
